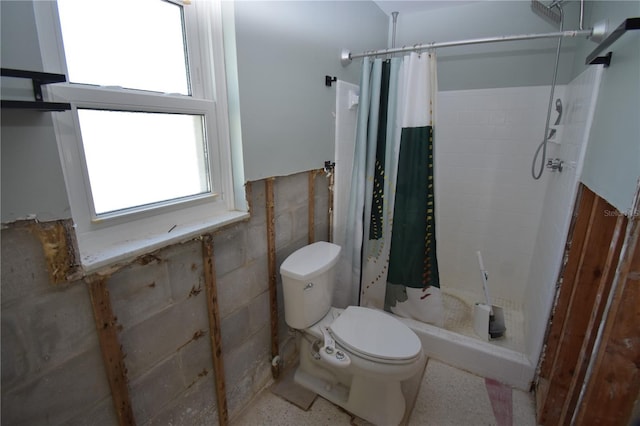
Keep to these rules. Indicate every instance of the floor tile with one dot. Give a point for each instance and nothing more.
(524, 408)
(271, 410)
(447, 397)
(451, 397)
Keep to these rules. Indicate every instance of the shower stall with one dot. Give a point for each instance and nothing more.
(487, 201)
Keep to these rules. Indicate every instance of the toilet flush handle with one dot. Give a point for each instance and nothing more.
(308, 286)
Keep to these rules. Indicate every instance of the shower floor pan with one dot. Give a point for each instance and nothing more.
(458, 345)
(458, 317)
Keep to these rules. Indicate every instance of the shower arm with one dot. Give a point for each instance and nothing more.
(395, 24)
(346, 55)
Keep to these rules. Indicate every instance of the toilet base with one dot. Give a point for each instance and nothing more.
(384, 406)
(380, 402)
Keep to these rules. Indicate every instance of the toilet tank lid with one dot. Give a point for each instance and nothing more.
(310, 261)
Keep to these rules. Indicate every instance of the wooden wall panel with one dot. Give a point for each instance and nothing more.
(598, 306)
(589, 277)
(614, 384)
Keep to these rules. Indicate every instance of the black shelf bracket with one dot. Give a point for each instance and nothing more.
(604, 60)
(38, 79)
(628, 24)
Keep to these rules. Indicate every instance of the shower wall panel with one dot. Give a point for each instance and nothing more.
(486, 198)
(579, 107)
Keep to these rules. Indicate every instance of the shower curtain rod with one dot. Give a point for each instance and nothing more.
(346, 56)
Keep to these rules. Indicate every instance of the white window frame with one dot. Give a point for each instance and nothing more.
(107, 239)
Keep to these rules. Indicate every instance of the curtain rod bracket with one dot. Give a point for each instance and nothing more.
(628, 24)
(345, 57)
(328, 80)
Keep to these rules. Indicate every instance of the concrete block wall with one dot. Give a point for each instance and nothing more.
(292, 224)
(52, 367)
(160, 305)
(52, 370)
(243, 297)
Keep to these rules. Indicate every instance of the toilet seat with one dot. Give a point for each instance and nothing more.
(375, 335)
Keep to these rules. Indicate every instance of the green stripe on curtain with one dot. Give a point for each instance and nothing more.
(377, 202)
(413, 260)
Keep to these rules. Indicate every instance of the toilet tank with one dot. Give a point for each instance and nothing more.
(307, 283)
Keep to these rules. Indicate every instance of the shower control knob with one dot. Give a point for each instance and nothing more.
(555, 165)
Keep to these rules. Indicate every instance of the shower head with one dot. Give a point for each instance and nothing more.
(550, 13)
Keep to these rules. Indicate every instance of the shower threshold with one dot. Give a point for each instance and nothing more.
(458, 345)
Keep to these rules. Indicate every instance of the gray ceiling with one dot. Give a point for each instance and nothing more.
(410, 6)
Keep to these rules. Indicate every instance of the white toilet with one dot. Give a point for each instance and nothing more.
(356, 357)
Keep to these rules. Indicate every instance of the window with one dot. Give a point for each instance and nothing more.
(137, 44)
(159, 157)
(145, 149)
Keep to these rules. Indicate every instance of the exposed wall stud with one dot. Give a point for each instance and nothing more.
(273, 294)
(249, 195)
(613, 380)
(312, 205)
(582, 302)
(106, 326)
(331, 178)
(587, 281)
(603, 289)
(214, 326)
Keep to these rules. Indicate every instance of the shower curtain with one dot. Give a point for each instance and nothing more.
(391, 211)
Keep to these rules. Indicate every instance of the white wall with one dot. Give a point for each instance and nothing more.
(486, 198)
(511, 64)
(612, 163)
(579, 106)
(285, 49)
(32, 180)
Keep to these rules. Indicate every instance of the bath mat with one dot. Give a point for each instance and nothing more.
(501, 402)
(287, 389)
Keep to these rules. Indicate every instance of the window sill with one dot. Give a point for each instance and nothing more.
(107, 248)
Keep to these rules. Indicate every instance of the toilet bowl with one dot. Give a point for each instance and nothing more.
(356, 357)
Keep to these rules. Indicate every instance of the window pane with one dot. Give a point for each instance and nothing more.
(139, 158)
(133, 44)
